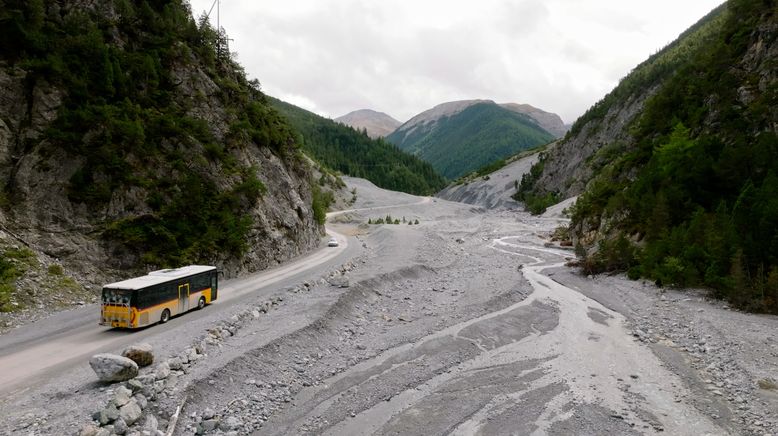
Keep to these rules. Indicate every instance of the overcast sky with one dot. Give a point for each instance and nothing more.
(405, 56)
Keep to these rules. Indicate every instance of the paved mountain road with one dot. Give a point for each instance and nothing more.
(31, 354)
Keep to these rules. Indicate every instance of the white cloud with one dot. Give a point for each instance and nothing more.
(405, 56)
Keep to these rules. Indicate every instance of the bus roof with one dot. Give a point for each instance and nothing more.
(160, 276)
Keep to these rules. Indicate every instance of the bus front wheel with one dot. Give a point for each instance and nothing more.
(201, 303)
(165, 316)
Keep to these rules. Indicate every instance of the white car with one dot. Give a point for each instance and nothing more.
(332, 242)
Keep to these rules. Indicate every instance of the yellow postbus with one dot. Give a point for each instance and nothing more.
(158, 296)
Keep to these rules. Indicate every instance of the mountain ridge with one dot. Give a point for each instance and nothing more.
(353, 153)
(462, 136)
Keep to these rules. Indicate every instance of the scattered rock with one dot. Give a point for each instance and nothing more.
(141, 400)
(113, 368)
(162, 371)
(109, 414)
(230, 423)
(142, 354)
(122, 396)
(120, 427)
(135, 384)
(174, 363)
(88, 430)
(130, 412)
(209, 425)
(151, 425)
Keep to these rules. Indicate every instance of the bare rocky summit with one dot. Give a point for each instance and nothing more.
(550, 122)
(377, 124)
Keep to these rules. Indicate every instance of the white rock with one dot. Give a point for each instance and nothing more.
(122, 396)
(162, 371)
(151, 425)
(113, 368)
(130, 412)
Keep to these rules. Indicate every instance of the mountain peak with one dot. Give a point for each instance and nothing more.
(443, 110)
(377, 124)
(461, 136)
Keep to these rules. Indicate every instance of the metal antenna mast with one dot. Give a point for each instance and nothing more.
(217, 4)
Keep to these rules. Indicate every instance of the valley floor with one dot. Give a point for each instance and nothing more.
(467, 323)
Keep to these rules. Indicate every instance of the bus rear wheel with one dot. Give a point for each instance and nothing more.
(201, 303)
(165, 316)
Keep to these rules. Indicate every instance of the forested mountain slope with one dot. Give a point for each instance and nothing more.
(680, 163)
(353, 153)
(128, 143)
(460, 137)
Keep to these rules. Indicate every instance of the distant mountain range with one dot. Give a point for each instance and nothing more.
(376, 124)
(460, 137)
(353, 153)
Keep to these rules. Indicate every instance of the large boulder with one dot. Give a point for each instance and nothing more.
(113, 368)
(142, 354)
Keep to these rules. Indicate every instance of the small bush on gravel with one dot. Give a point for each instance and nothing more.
(768, 385)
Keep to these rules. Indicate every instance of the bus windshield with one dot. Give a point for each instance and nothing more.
(116, 296)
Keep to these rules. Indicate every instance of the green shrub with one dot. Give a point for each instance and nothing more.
(321, 202)
(55, 270)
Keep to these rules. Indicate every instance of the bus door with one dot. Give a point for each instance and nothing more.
(183, 298)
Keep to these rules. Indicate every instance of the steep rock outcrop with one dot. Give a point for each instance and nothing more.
(494, 190)
(604, 130)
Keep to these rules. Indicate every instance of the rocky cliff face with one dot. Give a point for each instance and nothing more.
(573, 162)
(237, 182)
